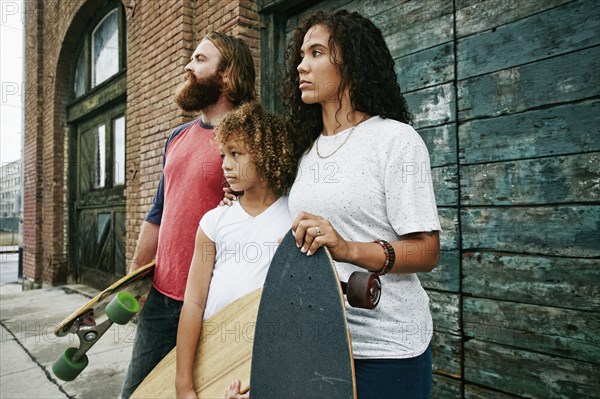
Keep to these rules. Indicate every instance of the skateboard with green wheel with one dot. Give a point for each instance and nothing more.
(119, 302)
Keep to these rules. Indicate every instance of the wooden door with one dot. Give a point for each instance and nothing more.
(98, 211)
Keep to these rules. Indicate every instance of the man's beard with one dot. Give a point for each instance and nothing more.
(196, 94)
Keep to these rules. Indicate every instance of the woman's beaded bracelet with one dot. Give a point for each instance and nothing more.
(390, 256)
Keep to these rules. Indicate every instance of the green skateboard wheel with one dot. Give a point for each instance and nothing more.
(122, 308)
(65, 368)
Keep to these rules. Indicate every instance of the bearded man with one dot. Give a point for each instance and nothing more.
(220, 77)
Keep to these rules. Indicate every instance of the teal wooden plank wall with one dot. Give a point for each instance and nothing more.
(506, 95)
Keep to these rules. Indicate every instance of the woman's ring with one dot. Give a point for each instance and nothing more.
(318, 231)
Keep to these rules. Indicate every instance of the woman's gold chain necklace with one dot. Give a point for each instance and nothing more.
(337, 149)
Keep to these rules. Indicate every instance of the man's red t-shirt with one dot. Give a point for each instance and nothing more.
(192, 184)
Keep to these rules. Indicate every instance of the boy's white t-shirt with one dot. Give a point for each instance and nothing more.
(376, 185)
(245, 246)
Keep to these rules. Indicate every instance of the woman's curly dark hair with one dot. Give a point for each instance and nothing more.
(267, 138)
(366, 66)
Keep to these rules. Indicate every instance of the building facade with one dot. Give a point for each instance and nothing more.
(10, 196)
(505, 94)
(98, 107)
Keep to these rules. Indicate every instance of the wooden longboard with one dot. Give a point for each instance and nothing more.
(136, 283)
(302, 346)
(224, 354)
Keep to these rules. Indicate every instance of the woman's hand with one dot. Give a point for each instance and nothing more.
(414, 252)
(234, 391)
(312, 232)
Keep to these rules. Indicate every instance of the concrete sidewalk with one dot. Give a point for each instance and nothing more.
(28, 346)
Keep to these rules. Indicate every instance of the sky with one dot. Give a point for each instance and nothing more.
(12, 16)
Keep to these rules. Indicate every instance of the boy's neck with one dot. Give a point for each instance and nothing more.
(256, 202)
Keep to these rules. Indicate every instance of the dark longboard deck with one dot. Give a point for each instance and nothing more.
(302, 347)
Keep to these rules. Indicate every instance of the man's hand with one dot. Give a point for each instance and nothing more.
(229, 196)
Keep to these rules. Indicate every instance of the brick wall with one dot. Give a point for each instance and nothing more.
(161, 36)
(238, 18)
(32, 205)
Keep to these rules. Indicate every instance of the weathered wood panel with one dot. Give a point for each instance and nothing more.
(105, 242)
(445, 388)
(406, 13)
(87, 161)
(416, 25)
(87, 250)
(371, 8)
(445, 184)
(445, 311)
(573, 26)
(474, 16)
(119, 243)
(446, 354)
(559, 130)
(450, 232)
(432, 106)
(557, 80)
(562, 332)
(475, 392)
(268, 6)
(429, 67)
(272, 41)
(446, 275)
(571, 178)
(554, 230)
(104, 96)
(293, 20)
(441, 143)
(529, 374)
(562, 282)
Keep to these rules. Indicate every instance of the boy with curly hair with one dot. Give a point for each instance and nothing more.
(234, 245)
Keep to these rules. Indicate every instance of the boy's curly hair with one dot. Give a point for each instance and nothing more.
(268, 139)
(366, 66)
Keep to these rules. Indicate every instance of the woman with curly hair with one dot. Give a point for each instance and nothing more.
(364, 191)
(234, 245)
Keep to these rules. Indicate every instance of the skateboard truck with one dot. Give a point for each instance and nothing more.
(74, 360)
(363, 290)
(88, 335)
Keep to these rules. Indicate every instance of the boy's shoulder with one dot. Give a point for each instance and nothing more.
(216, 218)
(219, 210)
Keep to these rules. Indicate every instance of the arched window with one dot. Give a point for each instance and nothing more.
(105, 48)
(102, 54)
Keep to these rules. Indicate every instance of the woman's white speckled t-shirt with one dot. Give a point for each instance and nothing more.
(376, 186)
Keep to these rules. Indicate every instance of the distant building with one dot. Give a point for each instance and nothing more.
(10, 193)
